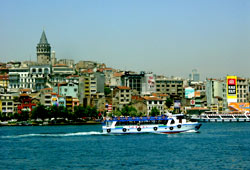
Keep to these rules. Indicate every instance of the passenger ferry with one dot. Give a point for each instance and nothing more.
(226, 117)
(158, 124)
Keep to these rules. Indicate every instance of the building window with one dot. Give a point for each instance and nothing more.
(65, 90)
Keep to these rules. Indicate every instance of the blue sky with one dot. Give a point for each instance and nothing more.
(169, 37)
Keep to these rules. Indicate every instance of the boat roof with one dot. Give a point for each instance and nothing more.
(124, 119)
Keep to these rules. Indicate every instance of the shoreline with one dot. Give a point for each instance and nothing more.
(25, 123)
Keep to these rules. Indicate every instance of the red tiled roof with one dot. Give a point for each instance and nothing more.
(72, 76)
(4, 77)
(151, 98)
(58, 65)
(123, 87)
(24, 94)
(87, 71)
(25, 90)
(118, 74)
(46, 89)
(108, 69)
(198, 108)
(136, 98)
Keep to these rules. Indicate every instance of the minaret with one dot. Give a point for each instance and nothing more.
(43, 50)
(53, 58)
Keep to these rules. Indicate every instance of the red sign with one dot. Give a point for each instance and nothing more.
(231, 82)
(192, 102)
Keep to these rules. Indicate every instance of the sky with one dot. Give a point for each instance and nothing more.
(166, 37)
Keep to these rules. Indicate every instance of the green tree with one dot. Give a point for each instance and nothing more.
(129, 111)
(40, 111)
(79, 112)
(54, 112)
(125, 110)
(118, 113)
(169, 102)
(154, 112)
(107, 91)
(64, 112)
(24, 115)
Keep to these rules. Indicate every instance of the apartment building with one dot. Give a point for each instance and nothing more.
(171, 87)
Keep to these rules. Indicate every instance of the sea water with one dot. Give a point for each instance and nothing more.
(216, 146)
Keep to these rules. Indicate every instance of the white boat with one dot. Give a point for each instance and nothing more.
(158, 124)
(222, 117)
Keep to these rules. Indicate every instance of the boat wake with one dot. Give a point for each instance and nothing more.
(54, 135)
(191, 131)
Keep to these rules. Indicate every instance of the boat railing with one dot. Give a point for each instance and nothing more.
(138, 118)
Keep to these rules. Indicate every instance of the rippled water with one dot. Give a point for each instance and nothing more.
(217, 146)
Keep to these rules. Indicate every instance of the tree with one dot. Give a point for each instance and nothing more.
(129, 111)
(154, 112)
(40, 112)
(169, 102)
(54, 112)
(79, 112)
(118, 113)
(107, 91)
(24, 115)
(125, 110)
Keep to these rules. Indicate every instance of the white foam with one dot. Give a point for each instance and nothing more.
(54, 135)
(190, 131)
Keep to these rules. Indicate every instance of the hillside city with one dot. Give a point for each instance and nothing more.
(49, 82)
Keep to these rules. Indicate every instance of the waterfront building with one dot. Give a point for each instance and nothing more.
(4, 82)
(39, 76)
(67, 62)
(26, 103)
(141, 84)
(67, 89)
(156, 102)
(8, 104)
(116, 79)
(59, 73)
(69, 102)
(61, 101)
(18, 78)
(108, 72)
(172, 87)
(216, 94)
(91, 83)
(121, 96)
(140, 104)
(242, 90)
(43, 50)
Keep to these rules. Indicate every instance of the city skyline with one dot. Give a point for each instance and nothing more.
(165, 37)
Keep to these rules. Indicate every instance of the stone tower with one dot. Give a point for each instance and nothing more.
(43, 50)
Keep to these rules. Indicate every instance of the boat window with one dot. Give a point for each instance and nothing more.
(108, 124)
(172, 121)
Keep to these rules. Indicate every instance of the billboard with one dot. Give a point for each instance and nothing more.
(231, 89)
(177, 104)
(240, 107)
(189, 92)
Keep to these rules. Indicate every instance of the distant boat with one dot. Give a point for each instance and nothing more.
(158, 124)
(227, 117)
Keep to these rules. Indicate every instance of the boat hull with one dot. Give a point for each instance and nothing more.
(177, 128)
